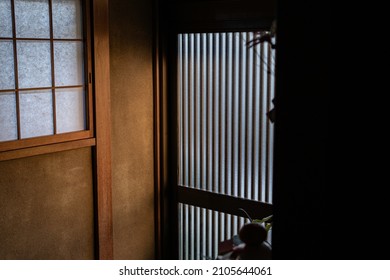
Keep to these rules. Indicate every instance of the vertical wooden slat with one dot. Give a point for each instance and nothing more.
(191, 232)
(262, 128)
(17, 94)
(203, 139)
(209, 111)
(203, 99)
(197, 243)
(215, 239)
(190, 90)
(186, 240)
(215, 118)
(222, 226)
(239, 114)
(204, 237)
(222, 112)
(185, 111)
(197, 112)
(235, 128)
(229, 120)
(227, 124)
(209, 233)
(103, 130)
(248, 120)
(216, 126)
(222, 121)
(242, 118)
(53, 82)
(235, 115)
(256, 183)
(197, 118)
(180, 231)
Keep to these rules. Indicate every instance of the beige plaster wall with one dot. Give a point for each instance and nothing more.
(132, 128)
(46, 207)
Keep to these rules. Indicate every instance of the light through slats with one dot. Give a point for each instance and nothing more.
(225, 90)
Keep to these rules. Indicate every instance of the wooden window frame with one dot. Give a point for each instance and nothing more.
(42, 144)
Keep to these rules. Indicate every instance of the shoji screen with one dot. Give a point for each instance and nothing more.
(42, 65)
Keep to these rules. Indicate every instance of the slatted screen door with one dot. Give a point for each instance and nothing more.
(225, 140)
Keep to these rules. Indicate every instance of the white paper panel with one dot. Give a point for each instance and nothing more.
(8, 122)
(32, 19)
(34, 64)
(70, 104)
(68, 63)
(5, 18)
(67, 20)
(7, 74)
(36, 113)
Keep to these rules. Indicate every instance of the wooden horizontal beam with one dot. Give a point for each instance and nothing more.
(45, 140)
(224, 203)
(46, 149)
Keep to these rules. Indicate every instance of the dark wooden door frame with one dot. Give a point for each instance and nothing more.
(165, 28)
